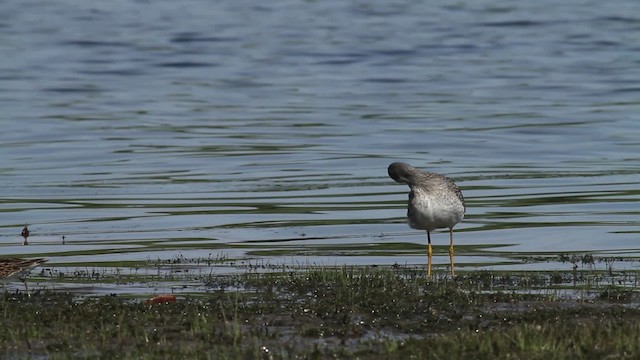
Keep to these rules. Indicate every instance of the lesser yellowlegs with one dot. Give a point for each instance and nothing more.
(16, 268)
(435, 202)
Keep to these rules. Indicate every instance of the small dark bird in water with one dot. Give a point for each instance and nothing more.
(25, 234)
(435, 202)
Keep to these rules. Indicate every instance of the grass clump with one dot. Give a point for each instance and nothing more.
(318, 313)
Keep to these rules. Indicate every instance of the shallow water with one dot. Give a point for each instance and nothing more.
(144, 132)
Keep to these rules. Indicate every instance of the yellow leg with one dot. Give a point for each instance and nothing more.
(25, 287)
(451, 250)
(429, 254)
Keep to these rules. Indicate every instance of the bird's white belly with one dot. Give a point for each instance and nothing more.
(426, 214)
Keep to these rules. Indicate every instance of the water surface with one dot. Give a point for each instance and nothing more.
(260, 134)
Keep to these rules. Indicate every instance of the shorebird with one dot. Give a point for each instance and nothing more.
(25, 235)
(435, 202)
(11, 268)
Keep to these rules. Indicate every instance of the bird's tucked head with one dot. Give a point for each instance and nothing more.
(402, 172)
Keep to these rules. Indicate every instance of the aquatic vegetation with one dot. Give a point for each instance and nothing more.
(345, 312)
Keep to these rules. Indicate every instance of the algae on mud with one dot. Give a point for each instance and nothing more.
(348, 312)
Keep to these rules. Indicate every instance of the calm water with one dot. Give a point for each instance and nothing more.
(261, 133)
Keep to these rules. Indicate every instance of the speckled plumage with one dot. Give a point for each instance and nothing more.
(435, 202)
(11, 268)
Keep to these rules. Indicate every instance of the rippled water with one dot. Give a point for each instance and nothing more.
(262, 132)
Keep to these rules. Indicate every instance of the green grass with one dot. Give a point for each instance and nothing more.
(349, 312)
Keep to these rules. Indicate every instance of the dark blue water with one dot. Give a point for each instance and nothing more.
(262, 132)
